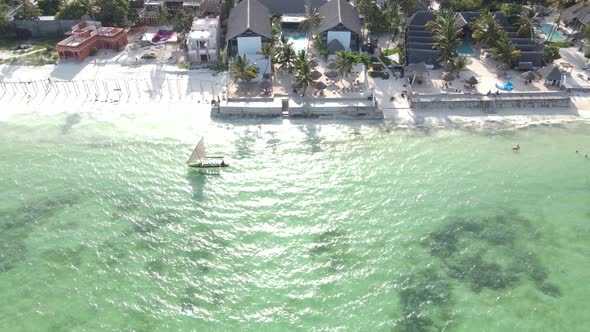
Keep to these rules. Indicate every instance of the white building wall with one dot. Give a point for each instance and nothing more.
(249, 45)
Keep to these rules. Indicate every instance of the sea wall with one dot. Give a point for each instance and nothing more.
(487, 103)
(300, 107)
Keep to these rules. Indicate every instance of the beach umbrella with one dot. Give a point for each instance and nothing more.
(313, 63)
(529, 75)
(448, 77)
(316, 74)
(472, 80)
(503, 67)
(332, 65)
(331, 74)
(320, 85)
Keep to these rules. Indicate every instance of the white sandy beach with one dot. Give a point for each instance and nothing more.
(158, 88)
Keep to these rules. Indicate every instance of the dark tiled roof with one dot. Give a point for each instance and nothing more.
(536, 58)
(427, 56)
(419, 34)
(280, 7)
(422, 17)
(248, 15)
(337, 12)
(334, 46)
(420, 46)
(412, 39)
(550, 73)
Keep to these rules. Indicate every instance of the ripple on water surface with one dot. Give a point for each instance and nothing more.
(315, 226)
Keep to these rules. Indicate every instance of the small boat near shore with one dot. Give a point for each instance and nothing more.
(200, 160)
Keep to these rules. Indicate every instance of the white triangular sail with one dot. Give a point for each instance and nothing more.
(198, 154)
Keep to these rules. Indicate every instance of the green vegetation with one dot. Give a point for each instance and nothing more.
(319, 46)
(312, 20)
(182, 24)
(149, 56)
(267, 52)
(303, 72)
(561, 44)
(109, 12)
(551, 53)
(36, 44)
(459, 65)
(512, 11)
(384, 17)
(286, 55)
(387, 61)
(526, 23)
(505, 50)
(49, 7)
(243, 70)
(466, 5)
(27, 11)
(447, 36)
(93, 51)
(184, 65)
(486, 30)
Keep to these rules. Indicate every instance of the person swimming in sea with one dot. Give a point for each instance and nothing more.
(516, 148)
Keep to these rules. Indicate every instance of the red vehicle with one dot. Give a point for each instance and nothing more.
(162, 36)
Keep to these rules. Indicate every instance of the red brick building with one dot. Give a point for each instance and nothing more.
(87, 35)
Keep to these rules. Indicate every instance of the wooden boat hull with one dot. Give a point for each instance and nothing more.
(207, 165)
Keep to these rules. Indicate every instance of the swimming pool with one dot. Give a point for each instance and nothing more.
(555, 36)
(466, 47)
(298, 38)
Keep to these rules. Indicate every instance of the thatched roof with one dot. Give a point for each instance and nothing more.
(447, 77)
(529, 75)
(550, 73)
(471, 80)
(417, 68)
(334, 46)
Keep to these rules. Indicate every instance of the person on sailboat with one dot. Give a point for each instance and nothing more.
(222, 163)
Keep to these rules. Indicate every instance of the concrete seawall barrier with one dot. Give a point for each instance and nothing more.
(300, 107)
(489, 103)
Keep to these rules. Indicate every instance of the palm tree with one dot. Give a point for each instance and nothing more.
(486, 30)
(559, 5)
(344, 63)
(505, 50)
(267, 51)
(286, 56)
(459, 65)
(301, 57)
(162, 16)
(303, 76)
(526, 24)
(446, 35)
(242, 69)
(311, 21)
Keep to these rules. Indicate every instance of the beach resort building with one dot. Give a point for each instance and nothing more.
(87, 35)
(340, 27)
(419, 41)
(247, 29)
(203, 40)
(199, 8)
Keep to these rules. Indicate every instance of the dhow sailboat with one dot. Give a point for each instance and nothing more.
(199, 158)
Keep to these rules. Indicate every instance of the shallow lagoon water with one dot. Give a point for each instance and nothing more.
(316, 226)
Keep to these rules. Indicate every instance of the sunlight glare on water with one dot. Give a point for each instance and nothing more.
(315, 226)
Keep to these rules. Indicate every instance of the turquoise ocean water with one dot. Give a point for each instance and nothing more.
(316, 226)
